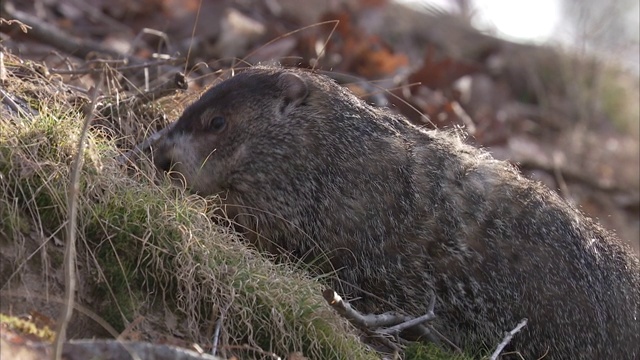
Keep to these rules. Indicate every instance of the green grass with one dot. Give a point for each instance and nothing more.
(146, 249)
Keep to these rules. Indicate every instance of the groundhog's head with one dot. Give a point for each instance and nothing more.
(235, 134)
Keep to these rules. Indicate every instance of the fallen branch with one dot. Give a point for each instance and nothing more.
(507, 338)
(368, 321)
(430, 315)
(381, 326)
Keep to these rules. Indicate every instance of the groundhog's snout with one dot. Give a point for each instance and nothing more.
(161, 157)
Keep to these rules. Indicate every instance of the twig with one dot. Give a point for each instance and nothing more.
(430, 315)
(3, 69)
(70, 251)
(466, 119)
(361, 321)
(370, 322)
(22, 109)
(23, 27)
(507, 338)
(216, 334)
(355, 317)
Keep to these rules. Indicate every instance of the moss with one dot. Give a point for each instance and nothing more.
(27, 327)
(151, 250)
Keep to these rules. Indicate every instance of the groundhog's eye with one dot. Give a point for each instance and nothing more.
(217, 123)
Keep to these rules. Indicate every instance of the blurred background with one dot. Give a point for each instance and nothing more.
(549, 85)
(609, 30)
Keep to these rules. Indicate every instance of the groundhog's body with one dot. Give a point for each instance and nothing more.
(399, 211)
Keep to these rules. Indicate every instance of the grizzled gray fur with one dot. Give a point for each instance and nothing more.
(309, 169)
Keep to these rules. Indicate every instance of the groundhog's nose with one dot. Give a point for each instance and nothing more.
(163, 163)
(161, 158)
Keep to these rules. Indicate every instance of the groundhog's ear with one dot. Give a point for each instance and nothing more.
(294, 90)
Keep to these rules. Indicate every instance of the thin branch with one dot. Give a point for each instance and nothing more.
(216, 335)
(21, 108)
(507, 338)
(430, 315)
(466, 119)
(371, 323)
(360, 320)
(70, 251)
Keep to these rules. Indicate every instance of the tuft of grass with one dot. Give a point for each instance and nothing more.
(146, 250)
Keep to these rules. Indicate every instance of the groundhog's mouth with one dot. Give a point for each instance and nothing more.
(165, 167)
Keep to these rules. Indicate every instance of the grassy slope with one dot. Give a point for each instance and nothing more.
(143, 249)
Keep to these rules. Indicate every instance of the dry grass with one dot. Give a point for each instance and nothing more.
(150, 258)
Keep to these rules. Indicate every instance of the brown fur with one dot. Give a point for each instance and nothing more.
(400, 210)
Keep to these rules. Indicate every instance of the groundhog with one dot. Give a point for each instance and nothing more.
(397, 212)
